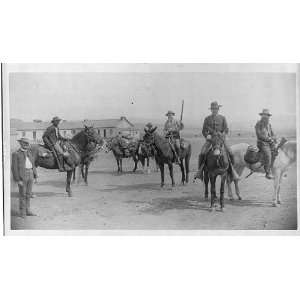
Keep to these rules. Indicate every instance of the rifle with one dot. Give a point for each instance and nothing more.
(181, 116)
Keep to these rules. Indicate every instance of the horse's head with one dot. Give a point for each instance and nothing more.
(92, 135)
(217, 143)
(149, 136)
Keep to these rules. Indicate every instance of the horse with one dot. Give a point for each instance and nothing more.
(91, 154)
(164, 154)
(216, 164)
(144, 154)
(76, 148)
(113, 144)
(287, 155)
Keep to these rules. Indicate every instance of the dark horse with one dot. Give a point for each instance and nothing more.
(216, 164)
(164, 154)
(76, 146)
(113, 145)
(89, 156)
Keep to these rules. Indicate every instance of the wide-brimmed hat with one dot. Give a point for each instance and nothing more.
(24, 140)
(265, 112)
(149, 125)
(170, 113)
(55, 119)
(214, 104)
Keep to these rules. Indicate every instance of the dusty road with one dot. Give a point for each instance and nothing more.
(136, 201)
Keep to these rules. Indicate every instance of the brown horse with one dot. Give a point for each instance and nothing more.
(216, 164)
(113, 144)
(77, 147)
(91, 154)
(164, 154)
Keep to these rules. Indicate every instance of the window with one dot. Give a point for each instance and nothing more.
(104, 133)
(34, 135)
(98, 131)
(23, 133)
(73, 131)
(65, 133)
(111, 132)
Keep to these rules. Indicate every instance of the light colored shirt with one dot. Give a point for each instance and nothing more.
(172, 125)
(56, 131)
(28, 164)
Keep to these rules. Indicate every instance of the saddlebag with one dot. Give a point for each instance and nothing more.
(252, 155)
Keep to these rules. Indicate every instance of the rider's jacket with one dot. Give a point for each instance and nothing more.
(264, 132)
(51, 136)
(213, 124)
(173, 126)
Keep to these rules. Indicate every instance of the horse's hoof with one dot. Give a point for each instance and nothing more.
(222, 209)
(240, 198)
(70, 194)
(274, 204)
(278, 202)
(86, 184)
(211, 208)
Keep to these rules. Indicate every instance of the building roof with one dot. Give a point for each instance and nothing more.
(122, 122)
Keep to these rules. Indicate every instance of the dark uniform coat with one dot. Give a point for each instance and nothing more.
(213, 124)
(50, 137)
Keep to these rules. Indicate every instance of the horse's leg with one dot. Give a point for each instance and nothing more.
(148, 165)
(187, 168)
(68, 183)
(277, 181)
(206, 180)
(118, 163)
(170, 165)
(213, 195)
(223, 179)
(237, 189)
(74, 176)
(135, 159)
(86, 173)
(182, 171)
(230, 195)
(121, 165)
(162, 174)
(82, 170)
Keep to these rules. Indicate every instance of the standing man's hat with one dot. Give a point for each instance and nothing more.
(265, 112)
(170, 113)
(55, 119)
(24, 140)
(214, 105)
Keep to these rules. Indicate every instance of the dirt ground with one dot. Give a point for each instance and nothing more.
(136, 201)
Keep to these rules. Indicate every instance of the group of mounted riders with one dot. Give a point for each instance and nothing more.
(214, 125)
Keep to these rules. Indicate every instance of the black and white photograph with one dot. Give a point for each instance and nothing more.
(151, 147)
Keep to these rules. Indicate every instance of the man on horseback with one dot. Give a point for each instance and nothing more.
(123, 142)
(266, 141)
(52, 138)
(215, 124)
(172, 129)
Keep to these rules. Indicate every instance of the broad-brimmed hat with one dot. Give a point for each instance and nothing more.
(265, 112)
(214, 104)
(149, 125)
(24, 140)
(170, 113)
(55, 119)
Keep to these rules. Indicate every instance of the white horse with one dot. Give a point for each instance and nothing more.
(287, 155)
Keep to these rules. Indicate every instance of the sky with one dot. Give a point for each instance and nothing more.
(147, 96)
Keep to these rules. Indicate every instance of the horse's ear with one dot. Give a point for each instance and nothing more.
(85, 127)
(153, 129)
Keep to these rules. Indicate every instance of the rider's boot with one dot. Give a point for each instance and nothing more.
(268, 173)
(60, 162)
